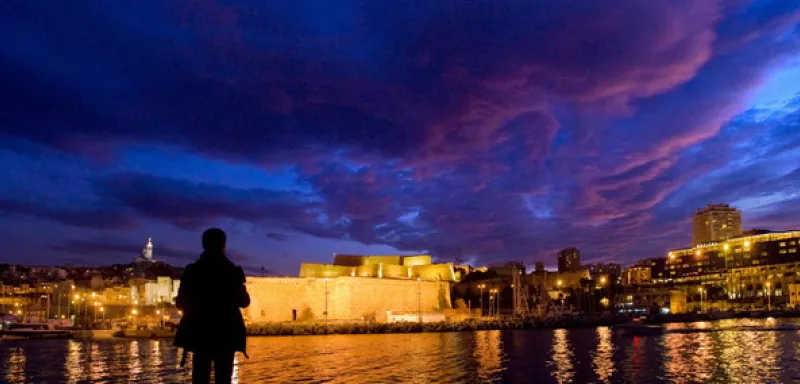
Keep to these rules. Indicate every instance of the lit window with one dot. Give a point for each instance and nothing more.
(783, 243)
(783, 251)
(792, 250)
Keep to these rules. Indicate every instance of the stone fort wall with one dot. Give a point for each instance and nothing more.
(349, 298)
(436, 272)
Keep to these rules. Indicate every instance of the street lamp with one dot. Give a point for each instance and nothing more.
(769, 297)
(701, 290)
(497, 301)
(481, 286)
(493, 302)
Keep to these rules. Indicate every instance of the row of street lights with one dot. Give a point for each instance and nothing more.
(494, 300)
(494, 296)
(767, 292)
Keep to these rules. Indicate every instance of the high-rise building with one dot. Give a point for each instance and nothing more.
(607, 269)
(569, 260)
(716, 222)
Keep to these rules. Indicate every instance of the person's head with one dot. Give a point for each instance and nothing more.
(214, 240)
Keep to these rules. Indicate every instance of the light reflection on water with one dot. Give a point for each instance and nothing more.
(488, 354)
(98, 365)
(751, 352)
(14, 366)
(561, 362)
(603, 358)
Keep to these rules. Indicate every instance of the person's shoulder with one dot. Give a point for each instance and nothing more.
(189, 268)
(238, 273)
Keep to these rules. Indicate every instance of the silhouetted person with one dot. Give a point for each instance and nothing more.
(211, 292)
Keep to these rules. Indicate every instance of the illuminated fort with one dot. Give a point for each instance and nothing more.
(395, 267)
(354, 288)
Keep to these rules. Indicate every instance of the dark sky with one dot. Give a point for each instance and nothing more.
(497, 130)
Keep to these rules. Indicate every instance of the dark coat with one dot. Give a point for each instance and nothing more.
(211, 292)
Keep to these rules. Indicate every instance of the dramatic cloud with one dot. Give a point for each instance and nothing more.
(92, 218)
(483, 130)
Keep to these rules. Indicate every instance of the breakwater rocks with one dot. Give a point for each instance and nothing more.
(310, 328)
(481, 324)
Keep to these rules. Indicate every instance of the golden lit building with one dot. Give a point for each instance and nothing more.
(378, 266)
(745, 268)
(344, 298)
(642, 300)
(636, 275)
(716, 222)
(354, 288)
(794, 295)
(755, 283)
(117, 295)
(553, 281)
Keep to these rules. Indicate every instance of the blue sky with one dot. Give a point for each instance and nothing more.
(482, 130)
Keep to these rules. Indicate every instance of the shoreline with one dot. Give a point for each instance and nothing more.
(467, 325)
(471, 325)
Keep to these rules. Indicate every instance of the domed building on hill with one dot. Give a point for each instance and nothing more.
(147, 252)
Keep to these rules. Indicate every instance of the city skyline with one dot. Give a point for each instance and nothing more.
(485, 134)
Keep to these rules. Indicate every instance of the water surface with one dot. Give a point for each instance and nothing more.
(729, 351)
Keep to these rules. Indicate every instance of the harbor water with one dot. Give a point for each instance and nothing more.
(726, 351)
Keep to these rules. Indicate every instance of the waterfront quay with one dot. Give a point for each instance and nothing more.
(483, 324)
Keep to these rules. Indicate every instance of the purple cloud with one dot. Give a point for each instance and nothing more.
(494, 130)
